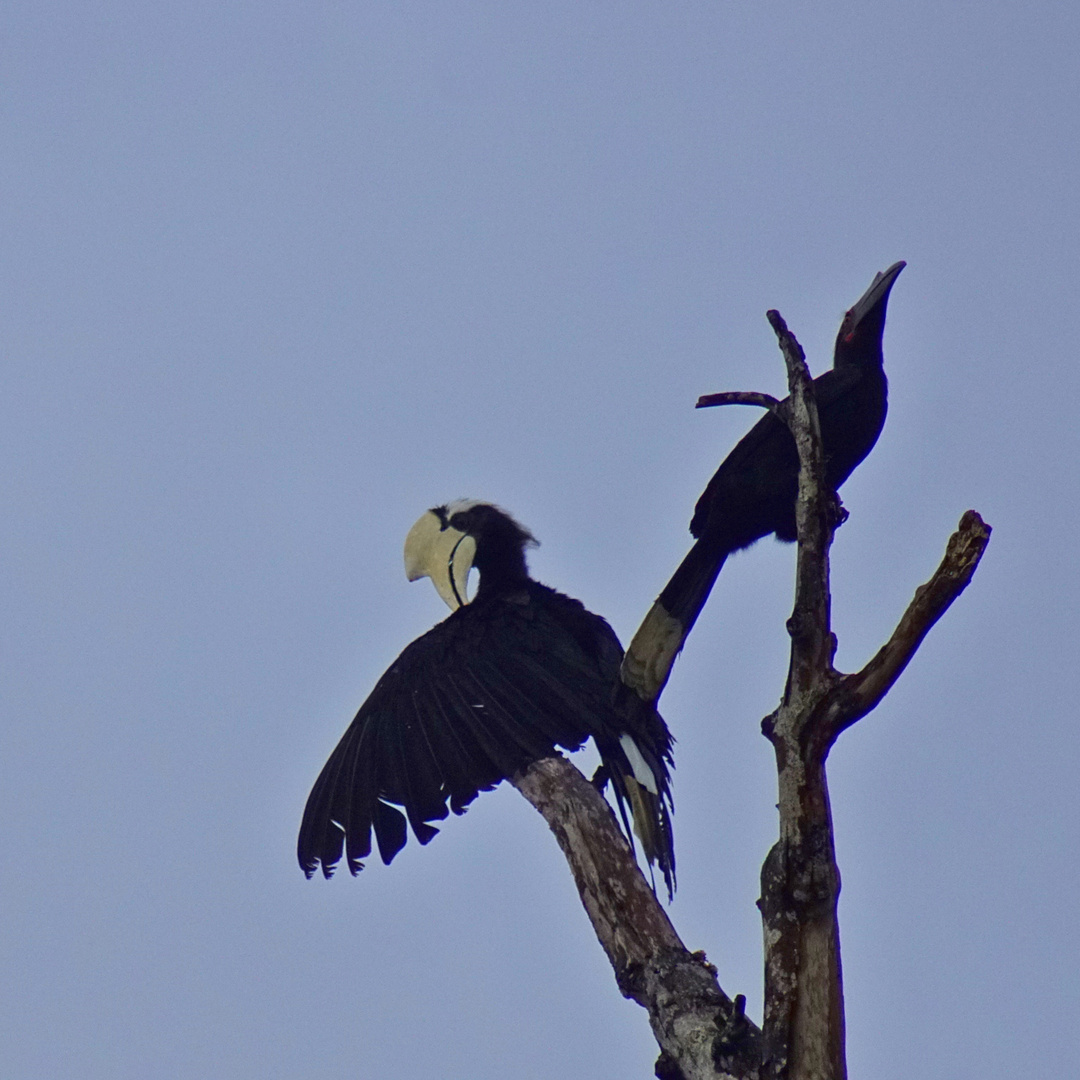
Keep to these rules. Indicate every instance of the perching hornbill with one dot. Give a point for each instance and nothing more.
(502, 682)
(753, 492)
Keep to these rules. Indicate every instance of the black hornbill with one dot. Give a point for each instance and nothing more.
(753, 492)
(502, 682)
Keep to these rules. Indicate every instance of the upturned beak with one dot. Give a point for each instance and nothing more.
(876, 295)
(443, 554)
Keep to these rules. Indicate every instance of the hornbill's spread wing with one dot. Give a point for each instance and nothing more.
(499, 684)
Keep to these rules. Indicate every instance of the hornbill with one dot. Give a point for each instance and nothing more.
(503, 681)
(753, 492)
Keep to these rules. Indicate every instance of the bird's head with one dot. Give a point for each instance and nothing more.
(448, 541)
(861, 331)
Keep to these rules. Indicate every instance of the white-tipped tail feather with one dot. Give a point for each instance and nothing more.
(642, 773)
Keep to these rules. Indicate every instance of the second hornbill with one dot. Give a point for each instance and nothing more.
(505, 680)
(753, 492)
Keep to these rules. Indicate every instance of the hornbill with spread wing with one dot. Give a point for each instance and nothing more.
(505, 680)
(753, 492)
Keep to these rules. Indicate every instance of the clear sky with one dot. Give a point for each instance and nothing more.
(275, 278)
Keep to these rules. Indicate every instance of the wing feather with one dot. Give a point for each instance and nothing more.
(465, 706)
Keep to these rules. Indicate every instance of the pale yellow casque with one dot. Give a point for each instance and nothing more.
(443, 554)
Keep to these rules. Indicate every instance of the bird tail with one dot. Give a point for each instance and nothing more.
(651, 655)
(639, 777)
(652, 823)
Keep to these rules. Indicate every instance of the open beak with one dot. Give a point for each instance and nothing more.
(443, 554)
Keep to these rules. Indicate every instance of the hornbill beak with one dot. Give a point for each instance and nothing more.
(443, 554)
(869, 309)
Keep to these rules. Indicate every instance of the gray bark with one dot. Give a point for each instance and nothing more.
(702, 1033)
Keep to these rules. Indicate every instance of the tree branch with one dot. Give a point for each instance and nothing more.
(812, 644)
(858, 694)
(740, 397)
(700, 1030)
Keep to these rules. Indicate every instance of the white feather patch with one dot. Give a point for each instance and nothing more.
(459, 506)
(642, 773)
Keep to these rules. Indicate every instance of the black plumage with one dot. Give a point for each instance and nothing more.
(505, 680)
(753, 492)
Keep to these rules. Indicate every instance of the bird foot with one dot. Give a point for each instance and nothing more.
(837, 511)
(600, 778)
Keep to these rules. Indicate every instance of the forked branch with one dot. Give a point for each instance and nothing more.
(703, 1034)
(856, 695)
(803, 1029)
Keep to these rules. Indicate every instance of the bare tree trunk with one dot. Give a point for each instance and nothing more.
(702, 1033)
(800, 881)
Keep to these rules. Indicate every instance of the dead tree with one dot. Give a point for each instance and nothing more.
(702, 1033)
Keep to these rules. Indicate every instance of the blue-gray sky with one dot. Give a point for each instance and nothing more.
(274, 279)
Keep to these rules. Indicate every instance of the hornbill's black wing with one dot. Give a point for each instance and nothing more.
(753, 491)
(478, 698)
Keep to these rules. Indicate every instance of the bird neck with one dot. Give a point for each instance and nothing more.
(501, 568)
(864, 359)
(861, 348)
